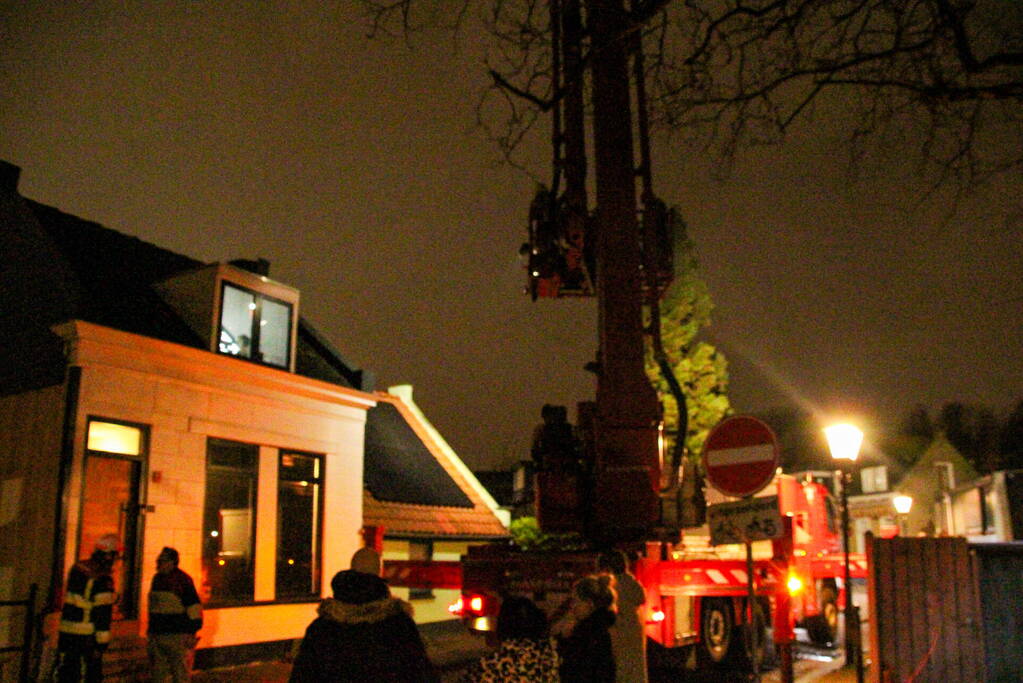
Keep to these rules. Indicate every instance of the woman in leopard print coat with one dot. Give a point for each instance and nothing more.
(526, 653)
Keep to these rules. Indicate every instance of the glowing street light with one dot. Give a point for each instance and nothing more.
(844, 441)
(902, 504)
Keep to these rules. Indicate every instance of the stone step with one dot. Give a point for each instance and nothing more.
(126, 661)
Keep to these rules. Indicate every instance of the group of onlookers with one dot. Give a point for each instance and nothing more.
(363, 634)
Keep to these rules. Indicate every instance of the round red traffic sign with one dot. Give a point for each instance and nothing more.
(740, 456)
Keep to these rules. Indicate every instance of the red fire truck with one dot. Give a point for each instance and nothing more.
(607, 479)
(697, 592)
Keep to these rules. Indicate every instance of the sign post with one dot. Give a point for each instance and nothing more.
(740, 457)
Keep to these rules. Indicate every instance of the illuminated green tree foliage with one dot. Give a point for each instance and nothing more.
(700, 368)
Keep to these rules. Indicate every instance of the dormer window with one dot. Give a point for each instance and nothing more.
(237, 312)
(255, 326)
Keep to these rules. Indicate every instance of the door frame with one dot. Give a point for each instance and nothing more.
(134, 525)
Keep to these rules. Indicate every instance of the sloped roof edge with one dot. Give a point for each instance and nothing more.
(404, 392)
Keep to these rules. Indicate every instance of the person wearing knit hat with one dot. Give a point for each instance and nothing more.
(362, 634)
(366, 560)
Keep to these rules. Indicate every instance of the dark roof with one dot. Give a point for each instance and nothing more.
(400, 468)
(61, 267)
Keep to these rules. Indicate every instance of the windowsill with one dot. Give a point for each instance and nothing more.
(254, 361)
(311, 599)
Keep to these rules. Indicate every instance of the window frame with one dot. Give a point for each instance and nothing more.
(135, 539)
(317, 573)
(255, 330)
(421, 593)
(220, 601)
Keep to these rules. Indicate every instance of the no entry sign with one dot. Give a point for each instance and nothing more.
(740, 456)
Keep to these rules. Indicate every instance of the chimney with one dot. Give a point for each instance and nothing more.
(9, 174)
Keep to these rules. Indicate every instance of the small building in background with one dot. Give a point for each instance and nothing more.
(988, 509)
(928, 482)
(421, 502)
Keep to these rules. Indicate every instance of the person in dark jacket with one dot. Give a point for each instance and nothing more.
(362, 635)
(84, 632)
(584, 641)
(175, 615)
(526, 654)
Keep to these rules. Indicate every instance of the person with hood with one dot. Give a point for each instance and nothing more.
(84, 631)
(526, 654)
(584, 642)
(628, 639)
(362, 635)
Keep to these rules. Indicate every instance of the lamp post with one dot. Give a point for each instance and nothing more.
(844, 442)
(902, 504)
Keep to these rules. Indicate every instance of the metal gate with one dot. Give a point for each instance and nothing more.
(925, 611)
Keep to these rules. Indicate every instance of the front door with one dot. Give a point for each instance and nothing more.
(110, 505)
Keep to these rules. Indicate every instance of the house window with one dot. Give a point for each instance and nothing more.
(299, 505)
(111, 437)
(420, 551)
(874, 479)
(255, 326)
(229, 521)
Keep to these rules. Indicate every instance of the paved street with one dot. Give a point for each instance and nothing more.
(450, 647)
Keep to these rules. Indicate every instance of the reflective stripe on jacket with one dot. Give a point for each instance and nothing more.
(88, 603)
(174, 604)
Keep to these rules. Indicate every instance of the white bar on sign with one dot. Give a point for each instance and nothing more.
(738, 456)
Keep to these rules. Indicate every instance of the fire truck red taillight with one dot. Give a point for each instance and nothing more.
(468, 606)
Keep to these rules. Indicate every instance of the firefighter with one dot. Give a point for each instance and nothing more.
(84, 632)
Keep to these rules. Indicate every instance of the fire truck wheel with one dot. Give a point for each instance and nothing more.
(760, 650)
(823, 628)
(716, 630)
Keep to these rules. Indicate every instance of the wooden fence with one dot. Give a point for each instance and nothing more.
(925, 611)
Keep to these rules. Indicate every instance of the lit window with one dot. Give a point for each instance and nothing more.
(229, 517)
(109, 437)
(874, 479)
(255, 326)
(299, 504)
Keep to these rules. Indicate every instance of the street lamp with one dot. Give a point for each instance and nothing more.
(844, 442)
(902, 504)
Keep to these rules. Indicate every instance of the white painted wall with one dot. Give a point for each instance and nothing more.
(186, 396)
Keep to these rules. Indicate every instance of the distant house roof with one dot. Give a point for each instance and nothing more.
(415, 486)
(62, 267)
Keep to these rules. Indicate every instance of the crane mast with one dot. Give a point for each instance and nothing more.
(612, 491)
(627, 472)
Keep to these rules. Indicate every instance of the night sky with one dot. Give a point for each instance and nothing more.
(223, 130)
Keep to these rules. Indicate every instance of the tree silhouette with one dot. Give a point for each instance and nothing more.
(943, 75)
